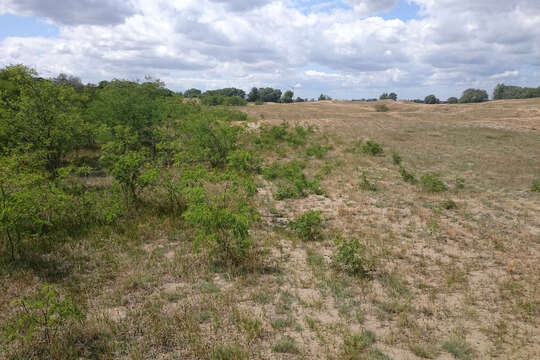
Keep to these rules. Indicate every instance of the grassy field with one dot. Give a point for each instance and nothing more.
(447, 262)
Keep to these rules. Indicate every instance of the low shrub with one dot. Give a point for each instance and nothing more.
(459, 183)
(308, 226)
(292, 182)
(396, 158)
(407, 176)
(432, 182)
(381, 108)
(350, 257)
(372, 148)
(365, 184)
(449, 204)
(535, 186)
(318, 150)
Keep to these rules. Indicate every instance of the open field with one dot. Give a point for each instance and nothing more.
(449, 274)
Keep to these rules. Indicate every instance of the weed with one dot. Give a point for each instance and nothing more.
(396, 158)
(372, 148)
(228, 352)
(350, 257)
(357, 346)
(448, 204)
(459, 347)
(459, 183)
(407, 176)
(535, 186)
(365, 184)
(432, 182)
(308, 225)
(381, 108)
(318, 150)
(286, 345)
(293, 182)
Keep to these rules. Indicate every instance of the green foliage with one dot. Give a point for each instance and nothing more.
(449, 204)
(292, 182)
(43, 316)
(535, 186)
(318, 150)
(514, 92)
(350, 257)
(214, 99)
(407, 176)
(396, 158)
(459, 183)
(309, 225)
(431, 99)
(474, 96)
(452, 100)
(287, 97)
(386, 96)
(459, 347)
(372, 148)
(228, 352)
(222, 221)
(381, 108)
(286, 345)
(432, 182)
(269, 137)
(365, 184)
(192, 93)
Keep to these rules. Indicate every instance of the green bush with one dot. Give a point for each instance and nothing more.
(432, 182)
(535, 186)
(350, 257)
(372, 148)
(407, 176)
(474, 96)
(292, 182)
(452, 100)
(449, 204)
(308, 226)
(431, 99)
(43, 318)
(318, 150)
(381, 108)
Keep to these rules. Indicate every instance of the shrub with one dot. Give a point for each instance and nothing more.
(365, 184)
(372, 148)
(286, 345)
(350, 257)
(317, 150)
(44, 316)
(449, 204)
(452, 100)
(292, 182)
(459, 183)
(459, 347)
(407, 176)
(431, 99)
(535, 186)
(432, 182)
(308, 225)
(381, 108)
(396, 158)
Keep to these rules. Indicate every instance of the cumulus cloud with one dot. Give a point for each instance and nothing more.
(68, 12)
(346, 52)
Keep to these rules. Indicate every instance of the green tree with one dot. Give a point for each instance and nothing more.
(452, 100)
(474, 96)
(253, 95)
(287, 97)
(431, 99)
(192, 93)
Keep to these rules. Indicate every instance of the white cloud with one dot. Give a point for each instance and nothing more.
(215, 43)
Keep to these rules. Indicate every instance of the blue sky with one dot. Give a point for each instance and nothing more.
(345, 48)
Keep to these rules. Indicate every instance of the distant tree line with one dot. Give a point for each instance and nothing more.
(514, 92)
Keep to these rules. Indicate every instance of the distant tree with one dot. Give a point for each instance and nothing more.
(192, 93)
(392, 96)
(474, 96)
(514, 92)
(452, 100)
(431, 99)
(384, 96)
(69, 80)
(323, 97)
(269, 94)
(228, 92)
(253, 95)
(299, 99)
(287, 97)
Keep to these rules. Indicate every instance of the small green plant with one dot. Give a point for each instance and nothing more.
(350, 257)
(459, 183)
(459, 347)
(396, 158)
(407, 176)
(308, 225)
(228, 352)
(381, 108)
(43, 316)
(356, 346)
(292, 182)
(535, 186)
(365, 184)
(317, 150)
(448, 204)
(432, 182)
(372, 148)
(286, 345)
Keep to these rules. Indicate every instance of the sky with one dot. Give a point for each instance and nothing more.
(348, 49)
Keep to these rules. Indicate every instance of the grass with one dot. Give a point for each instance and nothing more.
(147, 292)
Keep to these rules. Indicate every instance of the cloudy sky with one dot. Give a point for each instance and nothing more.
(345, 48)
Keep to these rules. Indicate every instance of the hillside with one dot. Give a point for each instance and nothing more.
(421, 240)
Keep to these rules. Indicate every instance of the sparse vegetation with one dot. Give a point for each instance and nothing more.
(432, 182)
(381, 108)
(407, 176)
(309, 225)
(372, 148)
(351, 257)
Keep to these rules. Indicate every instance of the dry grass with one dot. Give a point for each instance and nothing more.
(448, 282)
